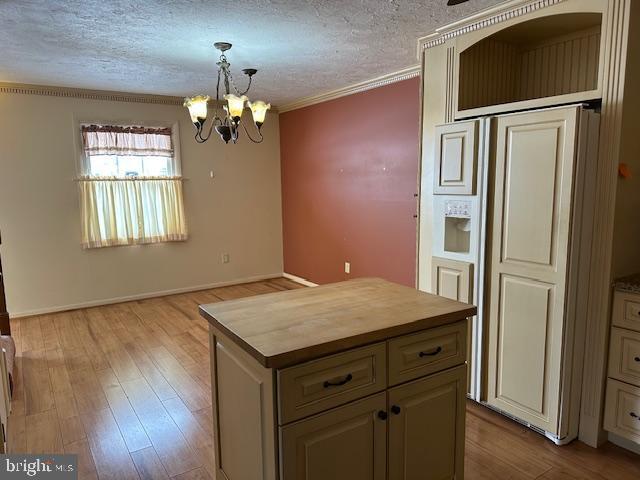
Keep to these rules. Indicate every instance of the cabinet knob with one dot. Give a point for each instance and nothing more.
(395, 409)
(382, 415)
(637, 359)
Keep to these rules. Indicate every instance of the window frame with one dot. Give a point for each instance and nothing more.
(82, 162)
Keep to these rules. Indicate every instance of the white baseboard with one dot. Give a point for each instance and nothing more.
(142, 296)
(300, 280)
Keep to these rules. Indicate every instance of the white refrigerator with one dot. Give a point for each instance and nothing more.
(512, 233)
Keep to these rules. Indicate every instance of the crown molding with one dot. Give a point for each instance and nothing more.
(381, 81)
(483, 19)
(85, 94)
(107, 95)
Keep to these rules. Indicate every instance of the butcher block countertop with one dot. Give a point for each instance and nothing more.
(286, 328)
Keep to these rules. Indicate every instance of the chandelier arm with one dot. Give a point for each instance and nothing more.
(218, 88)
(233, 84)
(248, 87)
(250, 138)
(199, 138)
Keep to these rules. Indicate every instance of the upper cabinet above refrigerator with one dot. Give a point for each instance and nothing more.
(545, 61)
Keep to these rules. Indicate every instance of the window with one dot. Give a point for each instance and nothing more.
(131, 188)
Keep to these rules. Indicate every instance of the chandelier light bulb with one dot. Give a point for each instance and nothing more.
(259, 111)
(197, 107)
(235, 104)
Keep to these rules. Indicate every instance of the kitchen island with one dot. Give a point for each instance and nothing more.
(358, 380)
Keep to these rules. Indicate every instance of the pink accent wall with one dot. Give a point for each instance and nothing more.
(349, 175)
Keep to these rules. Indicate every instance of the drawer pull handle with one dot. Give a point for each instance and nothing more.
(345, 380)
(395, 409)
(430, 353)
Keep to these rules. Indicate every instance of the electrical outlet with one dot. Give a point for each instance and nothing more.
(347, 267)
(225, 258)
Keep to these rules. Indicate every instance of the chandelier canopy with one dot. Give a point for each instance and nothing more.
(228, 119)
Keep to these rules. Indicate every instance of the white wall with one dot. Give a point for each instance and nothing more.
(237, 212)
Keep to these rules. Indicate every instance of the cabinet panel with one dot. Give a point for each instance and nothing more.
(624, 356)
(346, 443)
(531, 173)
(331, 381)
(622, 410)
(456, 158)
(414, 356)
(452, 279)
(426, 427)
(626, 310)
(243, 395)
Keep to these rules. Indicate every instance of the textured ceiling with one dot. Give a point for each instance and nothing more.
(301, 48)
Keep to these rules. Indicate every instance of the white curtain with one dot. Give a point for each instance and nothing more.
(129, 210)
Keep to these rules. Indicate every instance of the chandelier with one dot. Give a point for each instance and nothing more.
(227, 120)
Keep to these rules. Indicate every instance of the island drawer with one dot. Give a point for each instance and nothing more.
(624, 356)
(424, 353)
(325, 383)
(626, 310)
(622, 412)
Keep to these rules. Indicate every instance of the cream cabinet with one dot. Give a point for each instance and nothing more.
(342, 417)
(622, 407)
(346, 443)
(357, 380)
(425, 427)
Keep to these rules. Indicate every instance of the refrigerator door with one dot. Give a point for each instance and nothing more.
(459, 224)
(529, 225)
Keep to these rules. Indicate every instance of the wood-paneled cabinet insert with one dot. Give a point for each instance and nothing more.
(545, 61)
(456, 158)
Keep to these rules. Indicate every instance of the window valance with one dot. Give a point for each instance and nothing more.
(115, 140)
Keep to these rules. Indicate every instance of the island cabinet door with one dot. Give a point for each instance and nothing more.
(426, 427)
(346, 443)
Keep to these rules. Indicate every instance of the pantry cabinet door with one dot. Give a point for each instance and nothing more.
(346, 443)
(533, 156)
(426, 427)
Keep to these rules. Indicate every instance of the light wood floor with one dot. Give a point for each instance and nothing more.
(127, 388)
